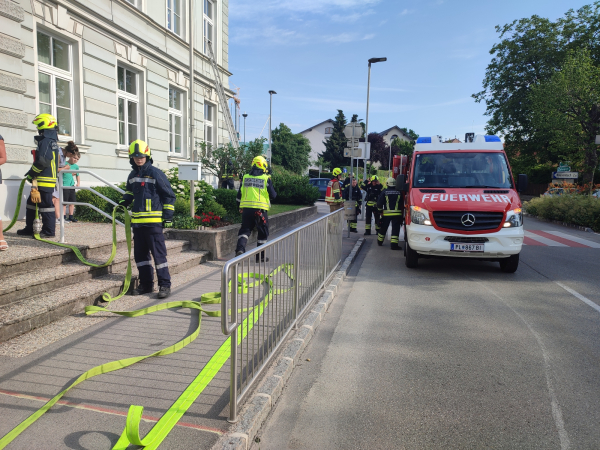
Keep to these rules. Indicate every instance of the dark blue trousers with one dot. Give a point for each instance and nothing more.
(147, 240)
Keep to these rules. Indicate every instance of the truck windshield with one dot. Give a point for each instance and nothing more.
(461, 170)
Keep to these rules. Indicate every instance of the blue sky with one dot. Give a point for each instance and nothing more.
(314, 54)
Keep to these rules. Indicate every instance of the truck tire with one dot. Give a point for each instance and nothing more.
(510, 264)
(412, 257)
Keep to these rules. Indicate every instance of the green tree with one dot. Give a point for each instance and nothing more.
(335, 145)
(217, 159)
(290, 150)
(531, 50)
(566, 108)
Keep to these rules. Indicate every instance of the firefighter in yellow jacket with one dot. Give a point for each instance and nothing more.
(254, 195)
(333, 195)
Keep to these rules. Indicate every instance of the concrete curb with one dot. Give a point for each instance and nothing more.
(257, 408)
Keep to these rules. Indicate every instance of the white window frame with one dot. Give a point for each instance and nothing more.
(171, 10)
(55, 72)
(209, 123)
(205, 21)
(128, 97)
(172, 131)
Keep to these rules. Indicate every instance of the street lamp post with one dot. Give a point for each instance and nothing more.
(371, 61)
(245, 115)
(270, 115)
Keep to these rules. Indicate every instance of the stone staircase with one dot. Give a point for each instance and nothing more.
(37, 288)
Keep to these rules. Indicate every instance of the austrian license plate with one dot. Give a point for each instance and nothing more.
(456, 247)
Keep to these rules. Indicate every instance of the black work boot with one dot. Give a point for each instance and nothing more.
(141, 290)
(395, 247)
(367, 233)
(239, 252)
(380, 243)
(164, 292)
(25, 232)
(261, 258)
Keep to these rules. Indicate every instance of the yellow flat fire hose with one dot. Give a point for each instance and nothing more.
(165, 424)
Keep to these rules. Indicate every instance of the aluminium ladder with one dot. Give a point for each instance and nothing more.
(222, 99)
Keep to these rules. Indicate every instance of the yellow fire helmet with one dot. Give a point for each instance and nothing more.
(374, 178)
(260, 162)
(139, 149)
(391, 182)
(337, 171)
(45, 121)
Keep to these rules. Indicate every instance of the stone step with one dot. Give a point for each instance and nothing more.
(34, 255)
(20, 286)
(24, 315)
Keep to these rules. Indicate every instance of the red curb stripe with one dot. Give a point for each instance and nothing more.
(558, 239)
(108, 411)
(529, 241)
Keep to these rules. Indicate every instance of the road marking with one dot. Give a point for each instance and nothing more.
(567, 242)
(113, 412)
(585, 300)
(543, 240)
(585, 242)
(528, 241)
(556, 410)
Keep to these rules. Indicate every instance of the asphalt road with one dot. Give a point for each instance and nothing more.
(454, 354)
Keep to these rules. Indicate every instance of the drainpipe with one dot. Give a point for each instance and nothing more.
(192, 100)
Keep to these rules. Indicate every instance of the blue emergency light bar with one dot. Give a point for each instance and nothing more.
(492, 138)
(424, 140)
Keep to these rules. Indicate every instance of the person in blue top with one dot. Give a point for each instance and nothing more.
(153, 208)
(71, 179)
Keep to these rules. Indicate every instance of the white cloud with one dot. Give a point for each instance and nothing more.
(271, 34)
(246, 8)
(407, 11)
(344, 38)
(351, 18)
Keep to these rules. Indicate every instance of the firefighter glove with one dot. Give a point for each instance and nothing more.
(167, 224)
(35, 196)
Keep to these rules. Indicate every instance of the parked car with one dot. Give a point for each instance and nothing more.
(321, 183)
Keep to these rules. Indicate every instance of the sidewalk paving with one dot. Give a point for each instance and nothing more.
(93, 414)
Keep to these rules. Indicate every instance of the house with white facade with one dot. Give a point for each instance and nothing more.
(111, 71)
(392, 133)
(317, 135)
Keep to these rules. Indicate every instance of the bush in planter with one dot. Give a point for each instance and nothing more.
(227, 198)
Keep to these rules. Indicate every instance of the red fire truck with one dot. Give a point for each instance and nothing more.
(462, 201)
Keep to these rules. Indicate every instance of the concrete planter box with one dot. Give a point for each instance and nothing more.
(222, 241)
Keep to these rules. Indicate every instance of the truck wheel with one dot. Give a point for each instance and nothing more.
(510, 264)
(412, 257)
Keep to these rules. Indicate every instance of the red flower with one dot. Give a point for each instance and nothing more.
(205, 220)
(217, 217)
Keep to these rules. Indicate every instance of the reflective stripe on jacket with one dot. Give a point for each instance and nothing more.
(254, 192)
(373, 193)
(390, 202)
(152, 196)
(45, 167)
(334, 192)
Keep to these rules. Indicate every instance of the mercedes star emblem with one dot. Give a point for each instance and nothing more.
(468, 220)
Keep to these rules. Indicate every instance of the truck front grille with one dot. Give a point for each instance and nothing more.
(453, 220)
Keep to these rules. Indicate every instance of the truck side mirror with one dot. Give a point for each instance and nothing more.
(401, 183)
(522, 182)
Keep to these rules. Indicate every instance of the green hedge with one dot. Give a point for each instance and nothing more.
(86, 214)
(227, 198)
(582, 210)
(293, 189)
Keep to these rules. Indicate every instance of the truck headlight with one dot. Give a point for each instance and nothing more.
(514, 219)
(419, 215)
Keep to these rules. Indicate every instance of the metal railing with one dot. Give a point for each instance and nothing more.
(269, 297)
(62, 203)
